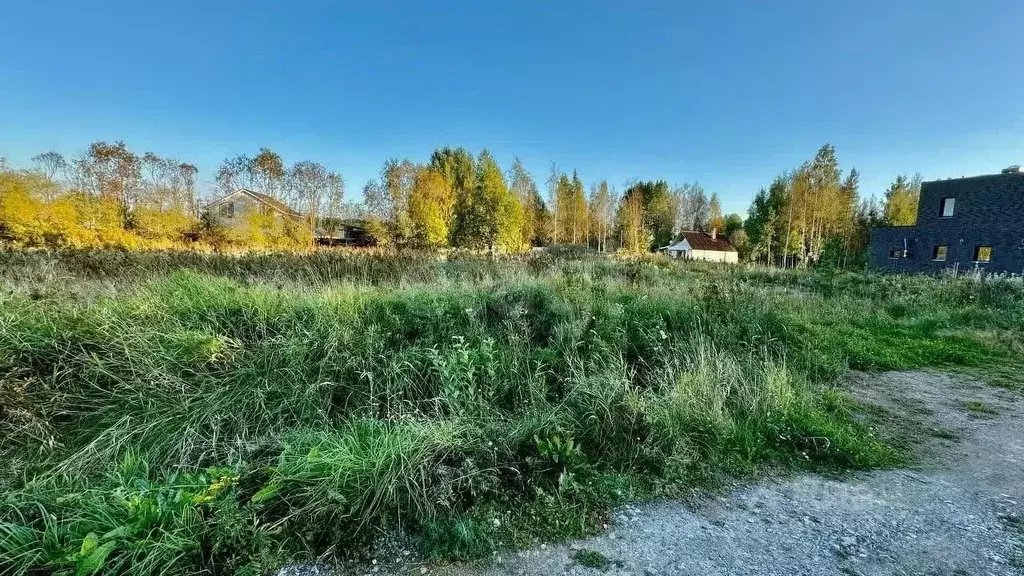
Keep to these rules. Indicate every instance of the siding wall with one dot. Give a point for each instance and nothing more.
(714, 256)
(989, 211)
(244, 205)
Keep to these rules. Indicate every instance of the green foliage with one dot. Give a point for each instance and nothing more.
(175, 412)
(458, 168)
(659, 218)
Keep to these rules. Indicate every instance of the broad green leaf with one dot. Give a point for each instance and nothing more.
(92, 563)
(89, 543)
(265, 493)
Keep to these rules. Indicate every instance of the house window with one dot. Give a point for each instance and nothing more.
(946, 207)
(895, 253)
(983, 253)
(939, 253)
(227, 210)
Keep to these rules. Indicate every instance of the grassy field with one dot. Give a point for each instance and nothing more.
(186, 413)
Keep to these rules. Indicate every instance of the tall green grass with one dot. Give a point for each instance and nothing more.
(208, 413)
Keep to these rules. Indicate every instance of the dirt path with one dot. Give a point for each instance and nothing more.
(960, 513)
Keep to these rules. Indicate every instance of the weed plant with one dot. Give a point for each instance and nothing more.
(176, 413)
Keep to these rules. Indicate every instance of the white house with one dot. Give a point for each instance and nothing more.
(702, 246)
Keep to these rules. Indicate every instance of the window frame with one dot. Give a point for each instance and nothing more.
(942, 206)
(935, 252)
(977, 253)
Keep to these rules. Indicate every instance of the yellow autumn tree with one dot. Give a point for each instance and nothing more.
(510, 224)
(430, 208)
(159, 225)
(20, 211)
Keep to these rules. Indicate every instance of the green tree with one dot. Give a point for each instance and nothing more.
(499, 215)
(733, 222)
(764, 224)
(387, 203)
(658, 210)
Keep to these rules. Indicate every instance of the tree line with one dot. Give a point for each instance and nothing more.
(110, 196)
(815, 214)
(460, 200)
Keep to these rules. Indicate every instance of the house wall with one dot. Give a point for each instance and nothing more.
(679, 249)
(243, 206)
(989, 211)
(714, 256)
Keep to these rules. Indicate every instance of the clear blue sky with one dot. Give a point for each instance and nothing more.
(725, 93)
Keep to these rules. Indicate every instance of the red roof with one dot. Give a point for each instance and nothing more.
(704, 241)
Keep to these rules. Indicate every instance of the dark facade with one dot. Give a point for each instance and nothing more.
(962, 224)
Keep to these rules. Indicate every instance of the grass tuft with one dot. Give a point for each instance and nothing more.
(591, 559)
(184, 413)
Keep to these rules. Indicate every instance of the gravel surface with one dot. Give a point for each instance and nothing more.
(960, 512)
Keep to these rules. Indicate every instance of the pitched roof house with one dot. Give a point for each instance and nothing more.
(703, 246)
(232, 209)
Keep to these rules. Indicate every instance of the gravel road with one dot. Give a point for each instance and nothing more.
(960, 512)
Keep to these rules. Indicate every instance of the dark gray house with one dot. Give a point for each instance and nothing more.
(962, 224)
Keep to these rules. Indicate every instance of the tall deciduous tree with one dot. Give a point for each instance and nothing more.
(50, 164)
(269, 173)
(233, 174)
(901, 201)
(577, 210)
(387, 203)
(765, 225)
(112, 172)
(658, 210)
(716, 220)
(600, 213)
(555, 187)
(265, 172)
(315, 191)
(430, 208)
(634, 235)
(522, 185)
(499, 213)
(699, 207)
(458, 168)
